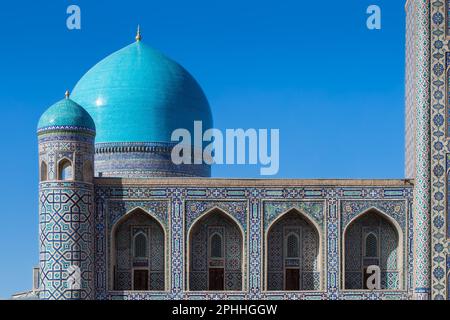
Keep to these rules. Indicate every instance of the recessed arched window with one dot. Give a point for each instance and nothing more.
(292, 246)
(88, 173)
(371, 246)
(44, 171)
(65, 171)
(216, 246)
(140, 245)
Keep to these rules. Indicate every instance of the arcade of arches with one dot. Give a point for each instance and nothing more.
(216, 253)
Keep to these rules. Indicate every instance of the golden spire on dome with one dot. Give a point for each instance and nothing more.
(67, 94)
(138, 34)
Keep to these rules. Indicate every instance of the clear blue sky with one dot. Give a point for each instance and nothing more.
(333, 88)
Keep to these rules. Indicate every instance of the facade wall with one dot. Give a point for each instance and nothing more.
(423, 247)
(254, 206)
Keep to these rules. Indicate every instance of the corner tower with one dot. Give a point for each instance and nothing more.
(66, 134)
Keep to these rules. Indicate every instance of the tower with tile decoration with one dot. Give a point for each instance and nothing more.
(66, 135)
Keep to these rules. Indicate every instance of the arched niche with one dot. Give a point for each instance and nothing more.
(372, 238)
(293, 253)
(65, 170)
(207, 272)
(136, 271)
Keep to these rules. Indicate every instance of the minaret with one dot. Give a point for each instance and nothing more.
(66, 134)
(418, 102)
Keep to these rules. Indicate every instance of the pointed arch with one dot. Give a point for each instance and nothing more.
(65, 170)
(138, 222)
(379, 212)
(218, 209)
(201, 268)
(43, 171)
(359, 254)
(216, 245)
(302, 214)
(88, 171)
(292, 245)
(140, 244)
(315, 230)
(371, 249)
(133, 211)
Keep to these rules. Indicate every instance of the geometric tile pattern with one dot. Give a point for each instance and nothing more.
(308, 264)
(394, 208)
(66, 216)
(410, 104)
(422, 208)
(448, 274)
(314, 209)
(251, 207)
(117, 212)
(65, 224)
(215, 223)
(237, 209)
(419, 12)
(385, 251)
(428, 67)
(438, 83)
(125, 261)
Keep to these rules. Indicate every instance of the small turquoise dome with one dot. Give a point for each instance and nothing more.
(137, 94)
(66, 114)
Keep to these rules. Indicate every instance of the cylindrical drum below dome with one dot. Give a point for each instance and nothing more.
(143, 160)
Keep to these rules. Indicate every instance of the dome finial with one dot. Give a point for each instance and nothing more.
(138, 33)
(67, 94)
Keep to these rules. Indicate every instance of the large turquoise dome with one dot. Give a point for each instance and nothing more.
(137, 94)
(66, 114)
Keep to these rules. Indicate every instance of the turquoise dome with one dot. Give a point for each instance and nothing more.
(139, 95)
(66, 114)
